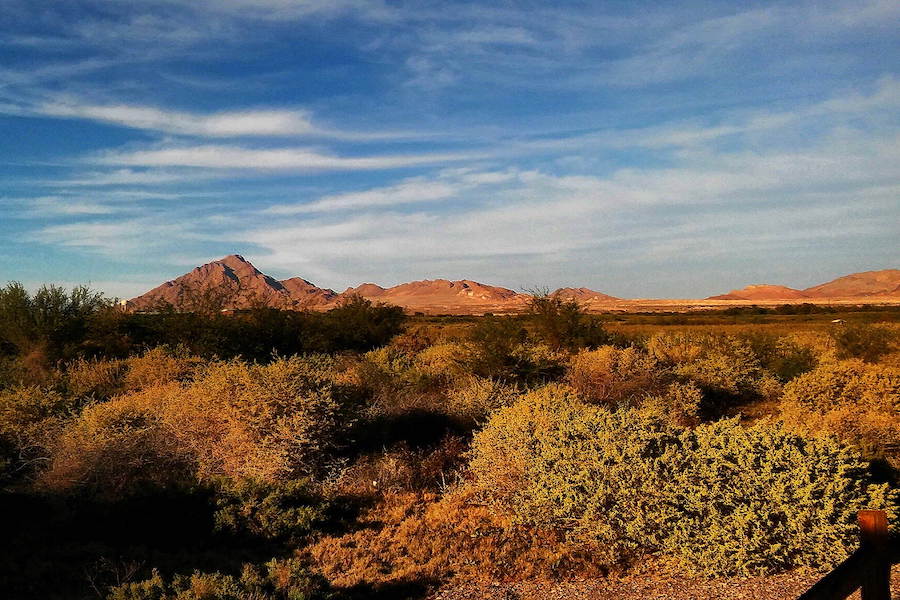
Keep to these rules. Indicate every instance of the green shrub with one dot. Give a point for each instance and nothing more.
(761, 499)
(564, 324)
(537, 363)
(285, 510)
(783, 357)
(863, 341)
(30, 419)
(495, 339)
(279, 579)
(723, 498)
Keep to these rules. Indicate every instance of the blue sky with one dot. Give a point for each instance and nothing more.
(669, 149)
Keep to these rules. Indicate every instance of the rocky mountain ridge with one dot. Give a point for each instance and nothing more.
(234, 282)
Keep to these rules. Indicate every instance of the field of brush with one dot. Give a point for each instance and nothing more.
(362, 453)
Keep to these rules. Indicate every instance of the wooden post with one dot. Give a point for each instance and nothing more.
(873, 531)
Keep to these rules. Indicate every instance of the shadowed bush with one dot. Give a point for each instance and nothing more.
(278, 579)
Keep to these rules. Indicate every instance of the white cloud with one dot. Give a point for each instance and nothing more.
(448, 184)
(223, 124)
(118, 238)
(280, 159)
(130, 177)
(56, 206)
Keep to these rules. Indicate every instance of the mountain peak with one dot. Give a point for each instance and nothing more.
(240, 283)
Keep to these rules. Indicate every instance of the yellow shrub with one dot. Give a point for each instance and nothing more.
(157, 366)
(262, 422)
(610, 375)
(118, 447)
(722, 497)
(98, 379)
(444, 361)
(676, 348)
(30, 417)
(858, 402)
(472, 399)
(238, 420)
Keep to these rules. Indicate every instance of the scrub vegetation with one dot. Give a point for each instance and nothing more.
(361, 453)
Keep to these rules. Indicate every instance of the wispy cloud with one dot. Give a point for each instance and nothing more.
(224, 124)
(448, 184)
(269, 159)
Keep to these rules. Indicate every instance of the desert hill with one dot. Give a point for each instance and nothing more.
(442, 295)
(583, 294)
(762, 292)
(868, 283)
(305, 293)
(244, 285)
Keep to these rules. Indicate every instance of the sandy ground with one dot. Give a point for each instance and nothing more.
(780, 587)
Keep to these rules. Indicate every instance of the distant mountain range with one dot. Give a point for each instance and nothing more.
(242, 285)
(883, 284)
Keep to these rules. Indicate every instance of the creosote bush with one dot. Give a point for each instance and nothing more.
(726, 368)
(858, 402)
(119, 448)
(267, 422)
(285, 510)
(723, 497)
(864, 341)
(236, 420)
(278, 579)
(610, 375)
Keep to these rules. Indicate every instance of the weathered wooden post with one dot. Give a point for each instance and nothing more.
(873, 532)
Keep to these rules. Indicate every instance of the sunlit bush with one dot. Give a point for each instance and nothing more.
(417, 538)
(267, 422)
(30, 417)
(610, 375)
(238, 420)
(444, 361)
(722, 497)
(726, 368)
(97, 379)
(858, 402)
(473, 398)
(679, 404)
(676, 348)
(120, 447)
(159, 365)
